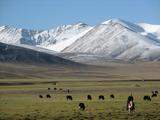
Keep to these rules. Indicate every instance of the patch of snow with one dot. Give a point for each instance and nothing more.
(151, 31)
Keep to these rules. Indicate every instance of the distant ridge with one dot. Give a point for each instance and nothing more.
(11, 53)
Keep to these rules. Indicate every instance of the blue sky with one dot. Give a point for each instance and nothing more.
(44, 14)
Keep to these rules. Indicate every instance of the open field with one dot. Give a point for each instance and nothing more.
(21, 85)
(110, 71)
(22, 102)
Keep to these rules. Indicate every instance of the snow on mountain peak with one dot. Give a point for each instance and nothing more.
(77, 26)
(147, 30)
(115, 20)
(116, 38)
(124, 23)
(3, 27)
(43, 38)
(150, 31)
(82, 24)
(150, 28)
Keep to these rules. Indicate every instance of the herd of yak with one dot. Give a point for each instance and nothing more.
(130, 103)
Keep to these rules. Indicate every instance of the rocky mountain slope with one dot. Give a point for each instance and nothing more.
(114, 39)
(118, 39)
(17, 54)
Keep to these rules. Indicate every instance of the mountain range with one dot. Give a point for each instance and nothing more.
(115, 39)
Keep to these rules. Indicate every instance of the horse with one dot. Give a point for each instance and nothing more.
(130, 104)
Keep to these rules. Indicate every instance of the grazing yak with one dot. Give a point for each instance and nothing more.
(89, 97)
(81, 106)
(101, 97)
(147, 98)
(55, 88)
(49, 88)
(154, 92)
(48, 96)
(69, 97)
(111, 96)
(68, 91)
(154, 95)
(40, 96)
(130, 104)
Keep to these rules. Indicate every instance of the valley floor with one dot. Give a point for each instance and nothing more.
(22, 102)
(21, 85)
(109, 71)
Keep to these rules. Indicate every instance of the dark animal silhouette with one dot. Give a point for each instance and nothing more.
(147, 98)
(111, 96)
(69, 97)
(68, 91)
(48, 96)
(154, 92)
(40, 96)
(101, 97)
(81, 106)
(89, 97)
(130, 104)
(60, 88)
(49, 88)
(55, 88)
(154, 95)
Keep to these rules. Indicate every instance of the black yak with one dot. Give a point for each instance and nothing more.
(69, 97)
(48, 96)
(111, 96)
(81, 106)
(147, 98)
(55, 88)
(40, 96)
(68, 91)
(156, 92)
(101, 97)
(154, 95)
(89, 97)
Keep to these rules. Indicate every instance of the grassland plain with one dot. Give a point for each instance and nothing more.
(22, 102)
(21, 85)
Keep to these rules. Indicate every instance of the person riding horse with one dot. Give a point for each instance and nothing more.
(130, 104)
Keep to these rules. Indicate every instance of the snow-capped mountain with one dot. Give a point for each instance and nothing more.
(113, 39)
(53, 39)
(119, 39)
(152, 31)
